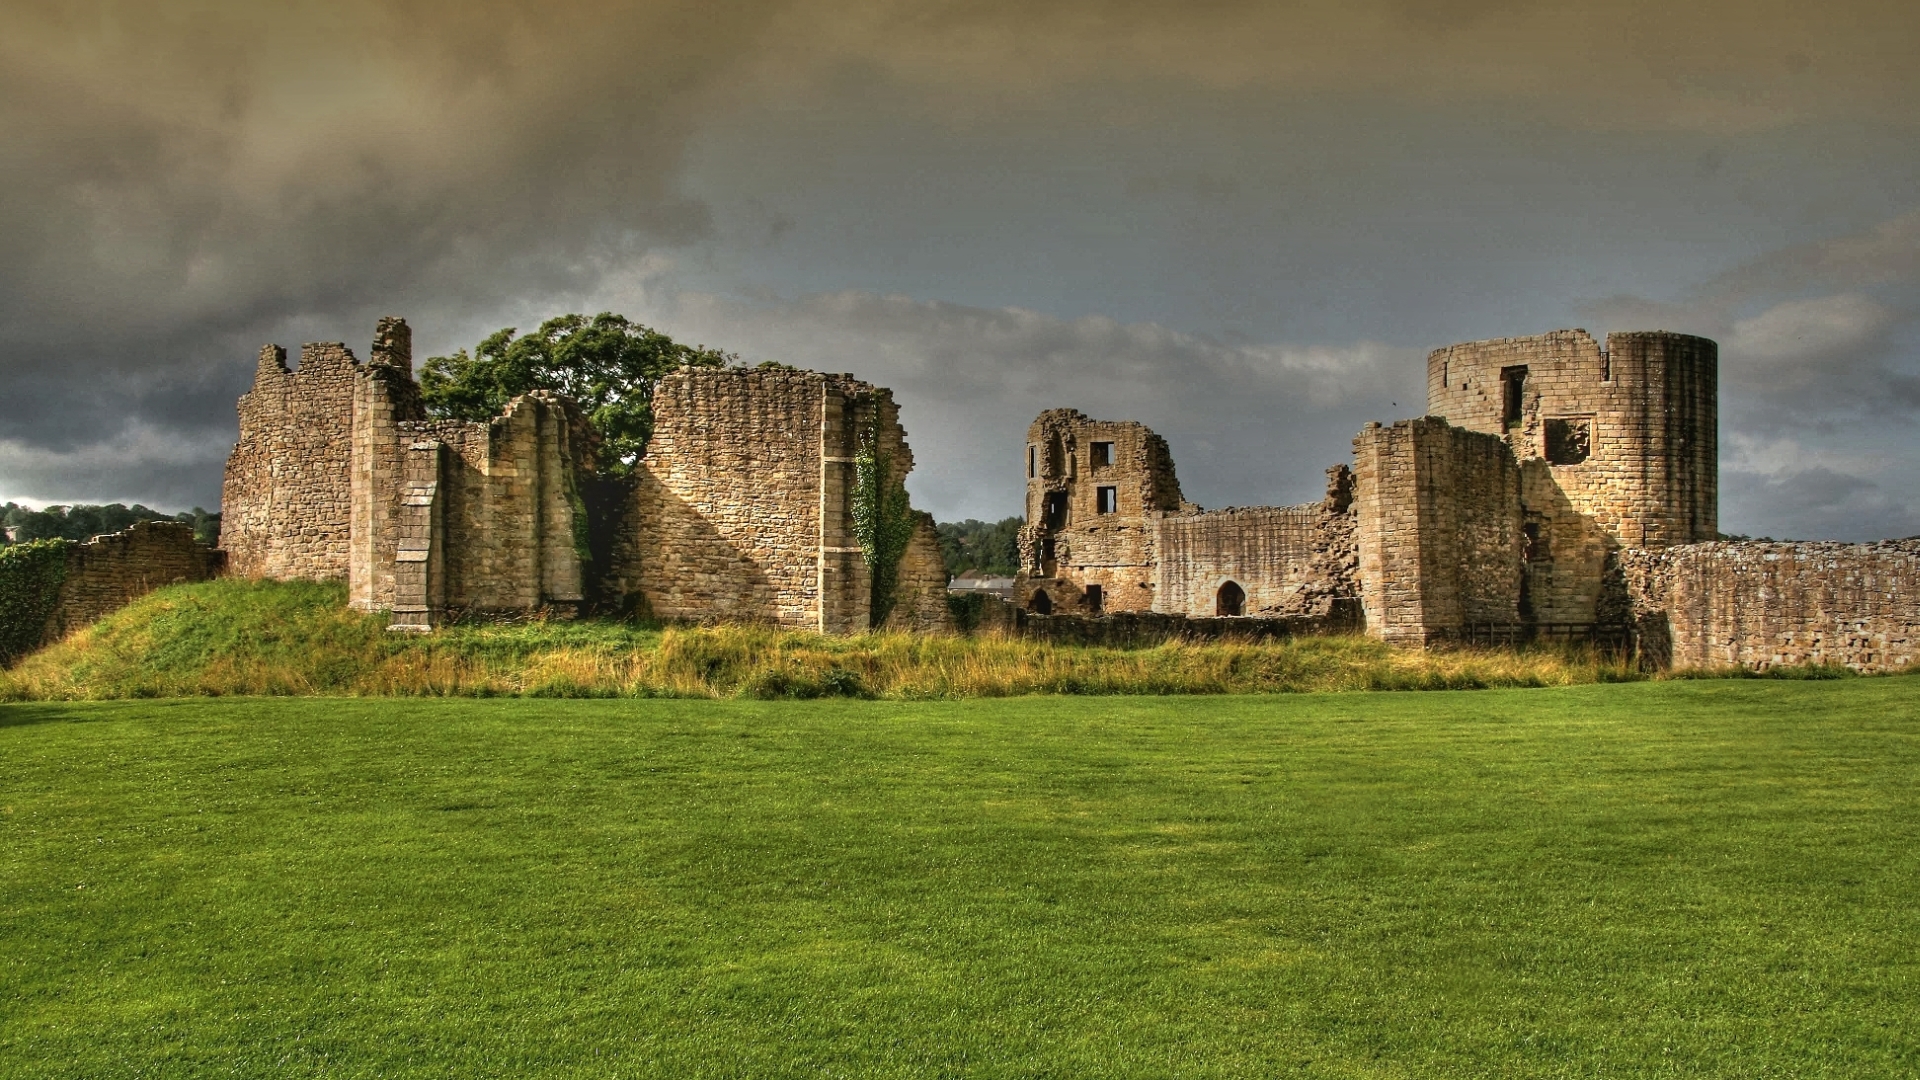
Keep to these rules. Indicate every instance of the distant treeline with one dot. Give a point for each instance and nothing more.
(84, 522)
(990, 547)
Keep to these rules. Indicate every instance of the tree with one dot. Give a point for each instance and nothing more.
(79, 522)
(990, 547)
(607, 363)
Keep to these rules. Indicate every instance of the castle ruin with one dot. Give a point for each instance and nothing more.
(741, 510)
(1555, 488)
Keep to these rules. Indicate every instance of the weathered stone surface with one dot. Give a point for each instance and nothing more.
(1618, 446)
(286, 500)
(1438, 526)
(109, 572)
(920, 596)
(741, 510)
(1760, 605)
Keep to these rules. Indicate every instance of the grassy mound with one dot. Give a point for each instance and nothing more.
(296, 638)
(1670, 879)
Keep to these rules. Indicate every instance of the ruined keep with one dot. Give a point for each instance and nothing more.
(741, 509)
(1555, 487)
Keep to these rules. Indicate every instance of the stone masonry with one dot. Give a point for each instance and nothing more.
(109, 572)
(1438, 530)
(1763, 604)
(1556, 485)
(741, 509)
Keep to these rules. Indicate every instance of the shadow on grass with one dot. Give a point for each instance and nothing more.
(26, 714)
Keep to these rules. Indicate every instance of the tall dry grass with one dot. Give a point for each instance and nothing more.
(232, 637)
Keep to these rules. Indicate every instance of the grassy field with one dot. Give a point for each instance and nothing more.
(1658, 879)
(298, 638)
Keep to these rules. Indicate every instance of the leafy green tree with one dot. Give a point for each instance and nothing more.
(990, 547)
(607, 363)
(82, 521)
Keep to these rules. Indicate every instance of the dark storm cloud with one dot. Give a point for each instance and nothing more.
(184, 184)
(184, 181)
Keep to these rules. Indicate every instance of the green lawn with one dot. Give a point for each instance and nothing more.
(1661, 879)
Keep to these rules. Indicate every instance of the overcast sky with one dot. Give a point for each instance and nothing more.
(1242, 223)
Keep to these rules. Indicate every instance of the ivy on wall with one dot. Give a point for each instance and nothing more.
(882, 518)
(30, 577)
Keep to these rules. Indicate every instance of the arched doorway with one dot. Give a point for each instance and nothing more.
(1040, 603)
(1230, 600)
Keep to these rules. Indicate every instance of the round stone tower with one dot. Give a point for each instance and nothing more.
(1626, 437)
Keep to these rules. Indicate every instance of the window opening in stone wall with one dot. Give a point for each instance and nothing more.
(1041, 603)
(1513, 389)
(1446, 372)
(1106, 499)
(1102, 454)
(1046, 550)
(1095, 597)
(1056, 457)
(1033, 461)
(1569, 440)
(1230, 600)
(1056, 511)
(1606, 366)
(1537, 548)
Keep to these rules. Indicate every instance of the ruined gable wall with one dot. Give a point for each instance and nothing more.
(1760, 604)
(1114, 550)
(286, 501)
(109, 572)
(729, 503)
(1648, 405)
(1289, 560)
(1438, 529)
(1267, 550)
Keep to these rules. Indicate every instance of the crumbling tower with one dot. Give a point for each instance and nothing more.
(1091, 487)
(1618, 447)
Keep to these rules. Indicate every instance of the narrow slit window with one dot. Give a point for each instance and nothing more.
(1106, 499)
(1033, 461)
(1513, 391)
(1102, 454)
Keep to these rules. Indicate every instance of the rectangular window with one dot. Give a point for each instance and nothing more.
(1513, 389)
(1102, 454)
(1094, 598)
(1033, 461)
(1055, 513)
(1107, 499)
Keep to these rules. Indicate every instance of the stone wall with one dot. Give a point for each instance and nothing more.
(109, 572)
(1145, 629)
(511, 521)
(920, 596)
(1284, 560)
(1438, 528)
(1760, 605)
(743, 505)
(286, 500)
(1266, 552)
